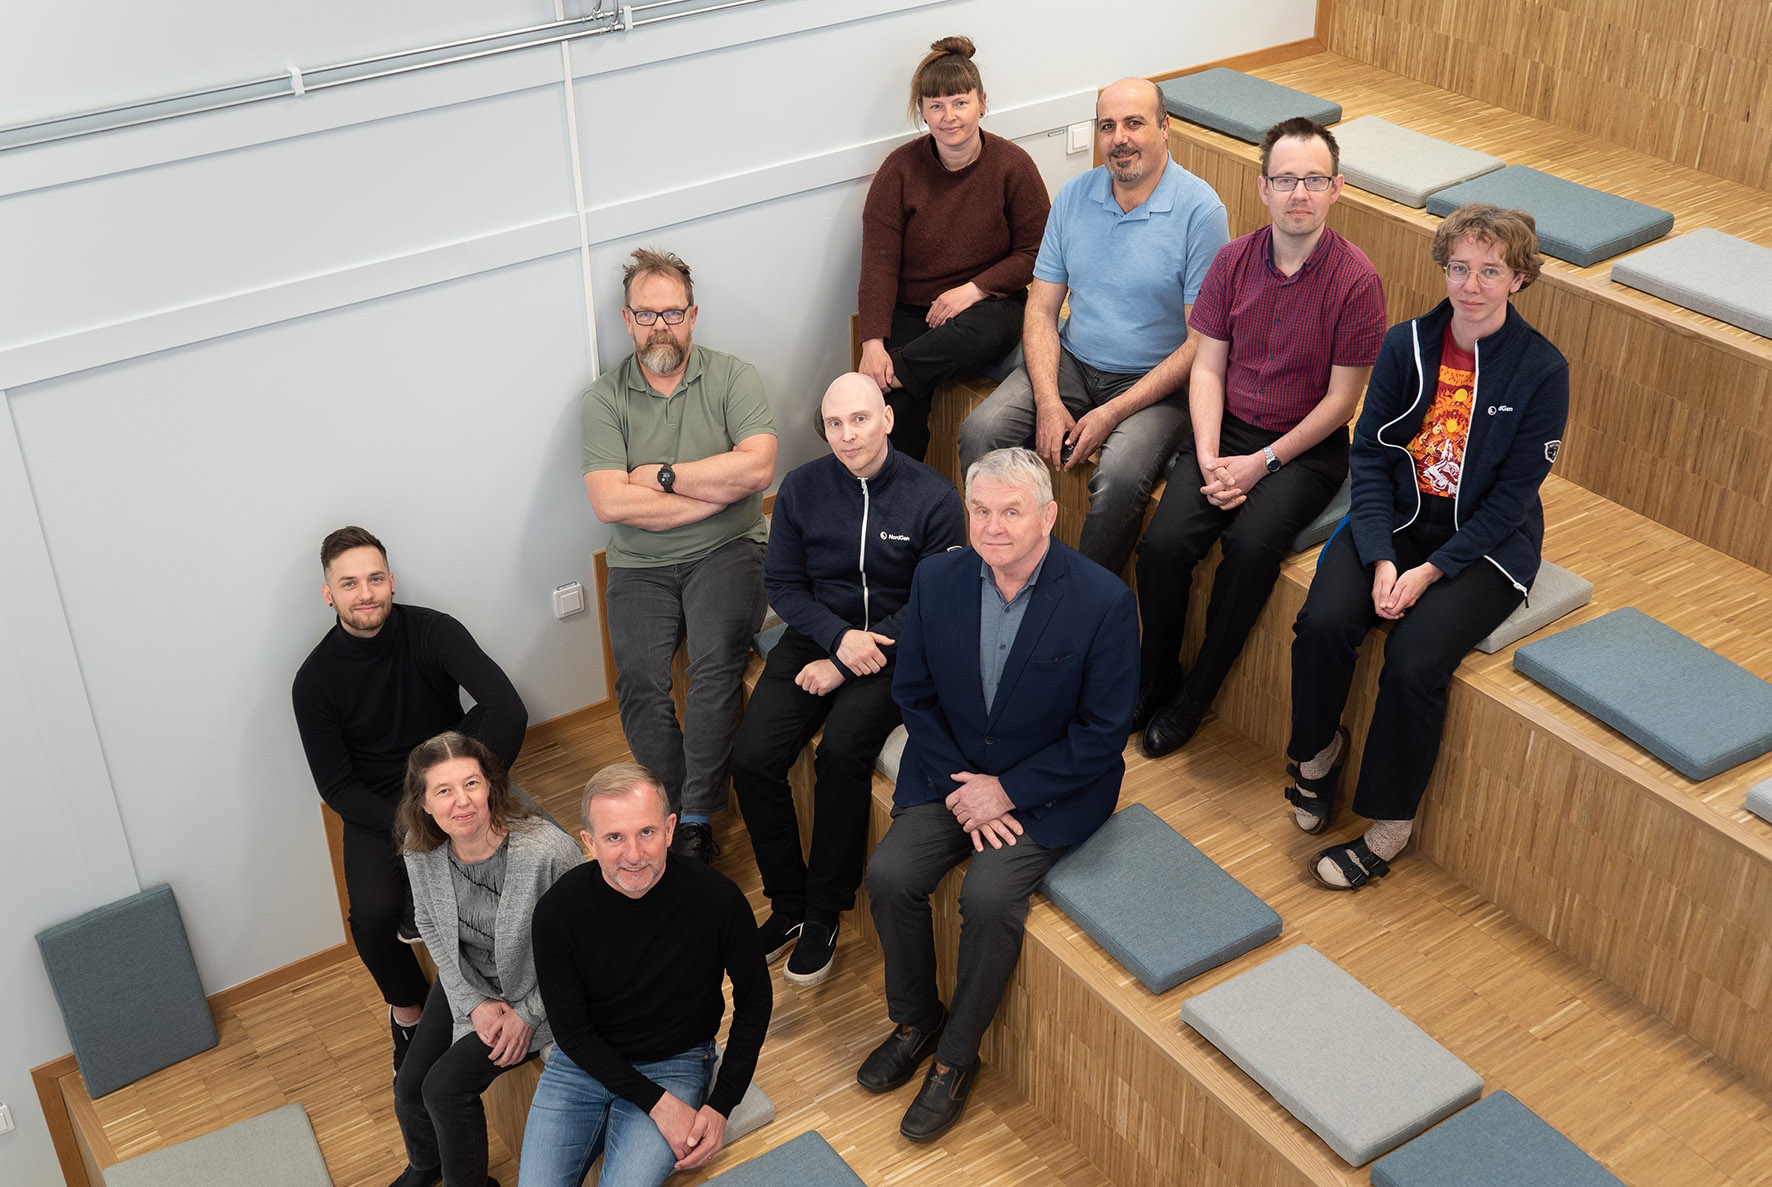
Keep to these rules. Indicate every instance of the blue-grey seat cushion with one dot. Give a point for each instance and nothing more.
(1327, 520)
(806, 1161)
(892, 753)
(1402, 164)
(1364, 1078)
(1679, 700)
(274, 1149)
(1575, 222)
(1705, 270)
(128, 989)
(1497, 1142)
(1239, 104)
(1555, 592)
(1161, 907)
(1759, 799)
(766, 639)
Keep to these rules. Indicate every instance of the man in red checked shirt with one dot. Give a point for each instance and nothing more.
(1289, 321)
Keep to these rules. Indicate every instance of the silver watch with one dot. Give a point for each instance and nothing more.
(1273, 463)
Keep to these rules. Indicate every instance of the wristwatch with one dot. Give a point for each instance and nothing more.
(1267, 451)
(667, 477)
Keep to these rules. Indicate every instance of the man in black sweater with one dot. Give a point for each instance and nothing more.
(848, 532)
(384, 679)
(630, 953)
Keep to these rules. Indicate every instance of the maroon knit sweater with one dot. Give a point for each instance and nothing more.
(925, 230)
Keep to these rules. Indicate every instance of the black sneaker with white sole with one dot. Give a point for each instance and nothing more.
(811, 961)
(777, 935)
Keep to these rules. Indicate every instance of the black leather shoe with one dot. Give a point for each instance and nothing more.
(895, 1061)
(695, 840)
(1170, 730)
(1152, 696)
(411, 1177)
(939, 1102)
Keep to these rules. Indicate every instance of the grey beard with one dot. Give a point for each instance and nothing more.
(661, 358)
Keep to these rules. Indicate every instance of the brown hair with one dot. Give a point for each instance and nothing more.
(414, 827)
(619, 778)
(1514, 231)
(648, 262)
(946, 69)
(346, 538)
(1303, 129)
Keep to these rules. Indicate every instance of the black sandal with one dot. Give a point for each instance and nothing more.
(1321, 802)
(1349, 857)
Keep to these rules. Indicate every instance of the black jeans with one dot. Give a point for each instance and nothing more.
(1422, 651)
(437, 1097)
(375, 884)
(923, 358)
(780, 719)
(1254, 537)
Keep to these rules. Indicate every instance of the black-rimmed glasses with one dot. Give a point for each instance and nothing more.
(647, 317)
(1316, 183)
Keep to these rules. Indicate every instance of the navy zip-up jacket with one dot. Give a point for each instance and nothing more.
(1519, 403)
(842, 549)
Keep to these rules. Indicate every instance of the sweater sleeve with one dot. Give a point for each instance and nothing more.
(882, 249)
(554, 854)
(787, 580)
(752, 1000)
(323, 741)
(944, 527)
(503, 716)
(1025, 206)
(438, 927)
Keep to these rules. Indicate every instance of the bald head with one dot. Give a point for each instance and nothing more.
(1140, 94)
(856, 421)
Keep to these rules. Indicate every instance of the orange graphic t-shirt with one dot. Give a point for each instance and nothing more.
(1438, 447)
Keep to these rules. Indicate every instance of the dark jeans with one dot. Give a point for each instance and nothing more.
(1255, 539)
(375, 885)
(1421, 653)
(717, 602)
(1125, 471)
(923, 358)
(923, 844)
(437, 1097)
(780, 719)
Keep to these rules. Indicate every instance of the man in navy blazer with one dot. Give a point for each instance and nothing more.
(1017, 669)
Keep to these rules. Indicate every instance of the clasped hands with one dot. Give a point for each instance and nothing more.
(1394, 593)
(1230, 479)
(982, 808)
(859, 651)
(694, 1135)
(502, 1029)
(1054, 426)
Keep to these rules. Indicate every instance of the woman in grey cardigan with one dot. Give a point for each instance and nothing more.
(478, 859)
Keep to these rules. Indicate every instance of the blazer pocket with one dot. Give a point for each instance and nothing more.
(1055, 659)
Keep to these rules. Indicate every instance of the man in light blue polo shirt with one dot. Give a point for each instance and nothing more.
(1130, 243)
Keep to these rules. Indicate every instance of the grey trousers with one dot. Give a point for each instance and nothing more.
(923, 844)
(1125, 470)
(717, 602)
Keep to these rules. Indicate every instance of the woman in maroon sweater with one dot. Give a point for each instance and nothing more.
(949, 235)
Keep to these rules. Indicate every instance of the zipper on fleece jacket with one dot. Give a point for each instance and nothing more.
(861, 561)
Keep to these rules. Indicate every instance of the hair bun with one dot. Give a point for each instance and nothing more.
(955, 45)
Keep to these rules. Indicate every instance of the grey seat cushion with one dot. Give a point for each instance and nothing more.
(766, 639)
(1239, 104)
(1685, 704)
(1575, 222)
(128, 989)
(892, 753)
(806, 1161)
(1555, 592)
(274, 1149)
(1497, 1142)
(1364, 1078)
(1707, 271)
(1327, 520)
(1402, 164)
(1162, 908)
(1759, 799)
(753, 1111)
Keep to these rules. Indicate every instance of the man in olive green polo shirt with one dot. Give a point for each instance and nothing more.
(678, 446)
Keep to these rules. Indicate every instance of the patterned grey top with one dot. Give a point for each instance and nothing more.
(478, 885)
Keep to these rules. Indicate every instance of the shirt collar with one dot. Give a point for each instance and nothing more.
(1161, 200)
(984, 572)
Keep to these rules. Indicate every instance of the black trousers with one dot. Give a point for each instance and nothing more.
(780, 719)
(1421, 652)
(375, 884)
(1255, 538)
(437, 1097)
(923, 358)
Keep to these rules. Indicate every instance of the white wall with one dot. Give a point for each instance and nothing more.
(222, 336)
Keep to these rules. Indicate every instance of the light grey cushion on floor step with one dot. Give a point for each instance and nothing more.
(128, 989)
(1759, 799)
(1497, 1142)
(1555, 592)
(1679, 700)
(766, 639)
(892, 753)
(274, 1149)
(1707, 271)
(1327, 520)
(1159, 906)
(1364, 1078)
(807, 1161)
(753, 1111)
(1239, 104)
(1402, 164)
(1575, 222)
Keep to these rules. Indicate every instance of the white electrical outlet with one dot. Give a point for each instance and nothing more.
(1079, 136)
(569, 599)
(5, 1119)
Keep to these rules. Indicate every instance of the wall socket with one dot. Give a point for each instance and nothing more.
(5, 1119)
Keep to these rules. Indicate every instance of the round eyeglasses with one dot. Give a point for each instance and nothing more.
(1316, 183)
(1488, 276)
(647, 317)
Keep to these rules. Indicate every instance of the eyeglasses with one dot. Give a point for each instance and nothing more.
(647, 317)
(1316, 183)
(1488, 276)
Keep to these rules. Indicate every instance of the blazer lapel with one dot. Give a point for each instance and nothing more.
(1048, 592)
(969, 622)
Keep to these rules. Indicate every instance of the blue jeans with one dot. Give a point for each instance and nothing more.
(573, 1118)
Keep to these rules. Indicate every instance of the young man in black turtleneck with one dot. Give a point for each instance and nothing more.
(848, 531)
(384, 679)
